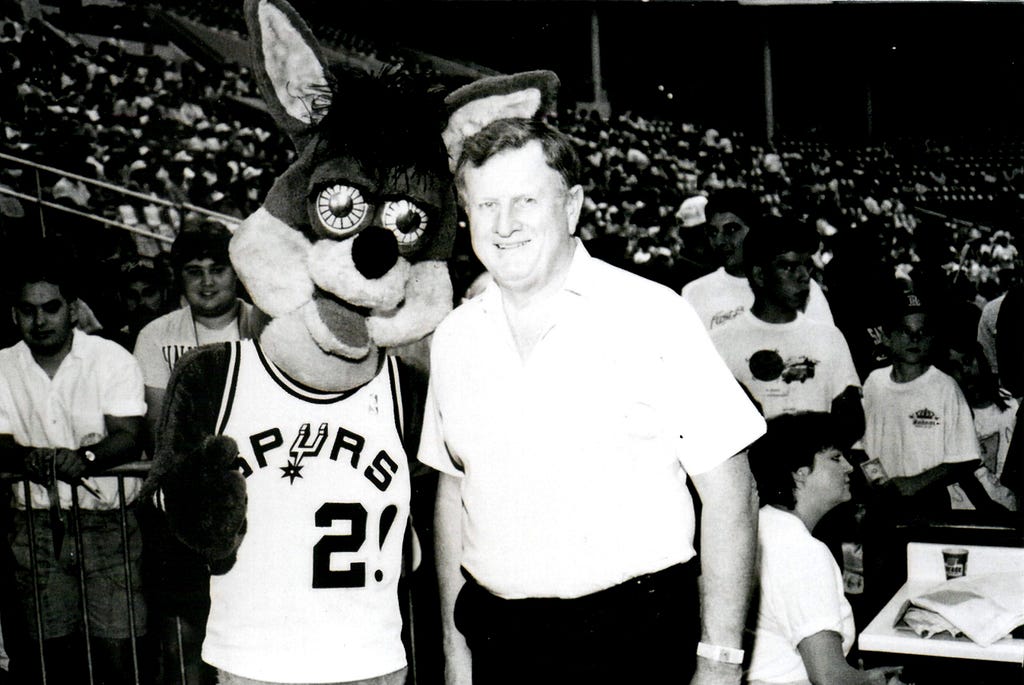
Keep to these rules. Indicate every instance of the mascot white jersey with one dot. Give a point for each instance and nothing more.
(328, 486)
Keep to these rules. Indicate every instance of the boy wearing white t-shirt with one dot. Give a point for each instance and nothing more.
(919, 427)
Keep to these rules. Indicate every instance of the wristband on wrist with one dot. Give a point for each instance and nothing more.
(726, 655)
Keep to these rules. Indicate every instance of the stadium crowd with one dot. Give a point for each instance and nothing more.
(659, 195)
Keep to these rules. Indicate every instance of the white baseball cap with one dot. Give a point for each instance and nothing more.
(691, 212)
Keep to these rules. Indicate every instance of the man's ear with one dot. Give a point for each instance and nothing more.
(885, 337)
(74, 311)
(800, 475)
(756, 277)
(573, 207)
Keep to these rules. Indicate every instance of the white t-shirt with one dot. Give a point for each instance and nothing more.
(801, 594)
(98, 378)
(913, 427)
(788, 367)
(573, 463)
(719, 298)
(165, 339)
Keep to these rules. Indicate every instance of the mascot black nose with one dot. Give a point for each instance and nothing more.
(374, 252)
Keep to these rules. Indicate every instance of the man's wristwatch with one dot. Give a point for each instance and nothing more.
(726, 655)
(88, 456)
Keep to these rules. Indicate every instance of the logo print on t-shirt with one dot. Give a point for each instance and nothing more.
(768, 365)
(925, 418)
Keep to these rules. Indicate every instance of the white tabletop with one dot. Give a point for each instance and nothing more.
(925, 571)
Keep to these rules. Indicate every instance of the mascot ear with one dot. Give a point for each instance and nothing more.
(529, 95)
(289, 66)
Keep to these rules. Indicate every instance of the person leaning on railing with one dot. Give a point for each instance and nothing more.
(71, 406)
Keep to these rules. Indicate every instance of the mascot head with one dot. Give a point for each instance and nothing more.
(347, 255)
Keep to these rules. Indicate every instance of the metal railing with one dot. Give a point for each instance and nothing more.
(37, 199)
(133, 469)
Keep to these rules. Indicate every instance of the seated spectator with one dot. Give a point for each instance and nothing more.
(142, 295)
(71, 406)
(788, 361)
(724, 294)
(805, 625)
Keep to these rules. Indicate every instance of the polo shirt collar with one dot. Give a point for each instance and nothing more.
(76, 351)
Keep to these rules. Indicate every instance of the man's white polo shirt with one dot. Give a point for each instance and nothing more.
(97, 378)
(573, 462)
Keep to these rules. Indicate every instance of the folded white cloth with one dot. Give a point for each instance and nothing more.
(985, 607)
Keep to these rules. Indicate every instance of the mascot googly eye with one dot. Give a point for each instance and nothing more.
(351, 242)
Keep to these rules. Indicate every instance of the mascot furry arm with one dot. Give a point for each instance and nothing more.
(283, 461)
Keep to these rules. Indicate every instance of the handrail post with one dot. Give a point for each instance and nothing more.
(34, 568)
(76, 518)
(126, 558)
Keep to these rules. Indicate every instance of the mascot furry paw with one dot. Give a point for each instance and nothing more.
(283, 461)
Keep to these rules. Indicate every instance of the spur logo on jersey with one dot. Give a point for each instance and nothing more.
(334, 443)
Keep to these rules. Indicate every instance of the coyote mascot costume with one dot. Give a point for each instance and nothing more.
(284, 461)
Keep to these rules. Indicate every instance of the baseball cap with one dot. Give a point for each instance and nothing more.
(691, 212)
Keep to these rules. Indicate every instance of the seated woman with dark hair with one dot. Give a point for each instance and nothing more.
(804, 623)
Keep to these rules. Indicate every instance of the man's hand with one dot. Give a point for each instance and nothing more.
(69, 465)
(39, 465)
(43, 463)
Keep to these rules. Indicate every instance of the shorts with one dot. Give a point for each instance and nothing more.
(107, 597)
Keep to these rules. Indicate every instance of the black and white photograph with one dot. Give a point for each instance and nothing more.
(495, 342)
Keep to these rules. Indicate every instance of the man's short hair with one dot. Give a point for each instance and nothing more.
(209, 240)
(513, 134)
(45, 261)
(773, 237)
(790, 442)
(739, 201)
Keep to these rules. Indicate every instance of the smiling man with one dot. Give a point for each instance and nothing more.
(213, 313)
(568, 404)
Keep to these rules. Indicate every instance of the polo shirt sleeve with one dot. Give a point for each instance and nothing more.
(123, 391)
(433, 451)
(150, 357)
(6, 400)
(712, 414)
